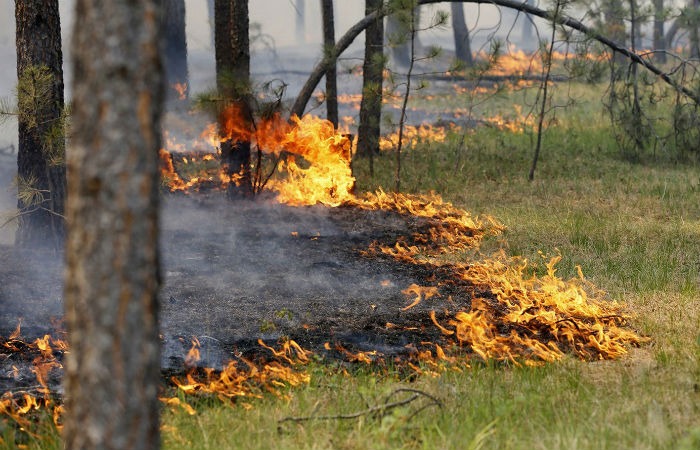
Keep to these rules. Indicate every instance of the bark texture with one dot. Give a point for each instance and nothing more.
(463, 50)
(372, 70)
(233, 82)
(331, 73)
(40, 162)
(112, 370)
(175, 46)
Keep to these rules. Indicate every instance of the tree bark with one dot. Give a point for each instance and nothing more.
(659, 41)
(300, 22)
(233, 82)
(463, 50)
(175, 57)
(40, 165)
(372, 77)
(331, 73)
(113, 368)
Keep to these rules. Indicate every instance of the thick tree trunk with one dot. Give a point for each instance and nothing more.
(463, 50)
(331, 73)
(175, 58)
(233, 82)
(113, 368)
(372, 76)
(40, 159)
(659, 41)
(300, 22)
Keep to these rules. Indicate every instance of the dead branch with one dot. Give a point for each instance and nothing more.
(379, 409)
(354, 31)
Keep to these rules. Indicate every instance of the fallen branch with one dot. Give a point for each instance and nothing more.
(380, 409)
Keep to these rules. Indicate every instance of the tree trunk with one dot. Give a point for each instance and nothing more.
(175, 58)
(659, 41)
(300, 23)
(40, 160)
(614, 13)
(527, 30)
(331, 73)
(463, 50)
(233, 82)
(372, 76)
(694, 25)
(113, 367)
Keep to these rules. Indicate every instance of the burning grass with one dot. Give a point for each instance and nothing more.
(513, 314)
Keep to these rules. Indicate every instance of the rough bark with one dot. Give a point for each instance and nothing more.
(659, 41)
(372, 76)
(112, 370)
(175, 47)
(344, 42)
(331, 72)
(233, 82)
(38, 38)
(463, 50)
(300, 22)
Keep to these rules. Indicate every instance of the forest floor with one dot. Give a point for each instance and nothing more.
(632, 226)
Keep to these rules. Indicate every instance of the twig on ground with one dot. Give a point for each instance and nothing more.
(379, 409)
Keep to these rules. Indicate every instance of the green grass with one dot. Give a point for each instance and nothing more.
(632, 227)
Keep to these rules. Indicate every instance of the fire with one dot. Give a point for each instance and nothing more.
(413, 135)
(247, 379)
(181, 89)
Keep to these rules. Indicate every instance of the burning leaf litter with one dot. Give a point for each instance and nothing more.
(512, 315)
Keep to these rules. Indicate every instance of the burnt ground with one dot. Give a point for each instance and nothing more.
(236, 273)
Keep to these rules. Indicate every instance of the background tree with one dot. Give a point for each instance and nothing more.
(372, 76)
(463, 50)
(300, 22)
(175, 57)
(41, 170)
(232, 47)
(113, 368)
(658, 39)
(331, 73)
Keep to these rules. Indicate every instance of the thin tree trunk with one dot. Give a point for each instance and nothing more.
(113, 368)
(659, 41)
(175, 39)
(331, 73)
(402, 119)
(368, 131)
(528, 27)
(695, 31)
(40, 163)
(545, 85)
(396, 33)
(300, 22)
(233, 82)
(463, 50)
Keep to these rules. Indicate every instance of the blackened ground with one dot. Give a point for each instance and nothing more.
(234, 273)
